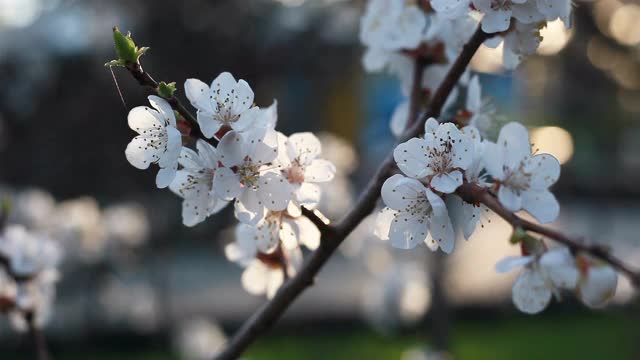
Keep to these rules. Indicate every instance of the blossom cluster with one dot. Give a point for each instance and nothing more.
(268, 176)
(28, 275)
(456, 149)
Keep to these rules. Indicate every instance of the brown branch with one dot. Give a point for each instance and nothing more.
(271, 311)
(474, 193)
(146, 80)
(40, 348)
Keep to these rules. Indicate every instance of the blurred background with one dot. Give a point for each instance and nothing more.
(137, 284)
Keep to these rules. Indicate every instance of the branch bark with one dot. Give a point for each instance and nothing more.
(268, 313)
(39, 343)
(473, 193)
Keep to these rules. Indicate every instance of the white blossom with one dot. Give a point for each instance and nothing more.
(299, 162)
(194, 183)
(263, 273)
(498, 13)
(542, 277)
(247, 175)
(523, 179)
(389, 26)
(225, 105)
(597, 284)
(416, 213)
(280, 228)
(28, 253)
(439, 158)
(159, 141)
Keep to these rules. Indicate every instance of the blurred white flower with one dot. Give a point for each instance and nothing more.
(198, 339)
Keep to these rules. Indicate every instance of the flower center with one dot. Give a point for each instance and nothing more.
(295, 173)
(249, 174)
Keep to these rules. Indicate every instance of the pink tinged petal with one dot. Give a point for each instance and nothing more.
(164, 109)
(247, 119)
(248, 208)
(407, 231)
(304, 146)
(398, 192)
(447, 183)
(209, 124)
(560, 267)
(242, 98)
(199, 94)
(494, 159)
(514, 141)
(319, 170)
(599, 286)
(309, 235)
(542, 205)
(531, 294)
(142, 118)
(226, 184)
(511, 200)
(412, 158)
(254, 278)
(399, 118)
(513, 262)
(230, 149)
(383, 223)
(495, 20)
(166, 175)
(274, 191)
(544, 170)
(442, 234)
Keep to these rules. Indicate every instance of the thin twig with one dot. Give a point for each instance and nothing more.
(473, 193)
(146, 80)
(40, 348)
(271, 311)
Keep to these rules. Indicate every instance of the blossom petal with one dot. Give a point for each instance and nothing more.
(172, 151)
(304, 146)
(514, 141)
(208, 154)
(166, 175)
(242, 98)
(226, 184)
(308, 194)
(542, 205)
(531, 294)
(474, 95)
(412, 158)
(399, 118)
(261, 145)
(544, 170)
(383, 223)
(599, 286)
(442, 234)
(164, 109)
(142, 118)
(248, 208)
(494, 159)
(139, 155)
(247, 119)
(230, 149)
(199, 94)
(407, 231)
(398, 192)
(274, 191)
(560, 266)
(512, 262)
(319, 170)
(254, 278)
(510, 199)
(448, 182)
